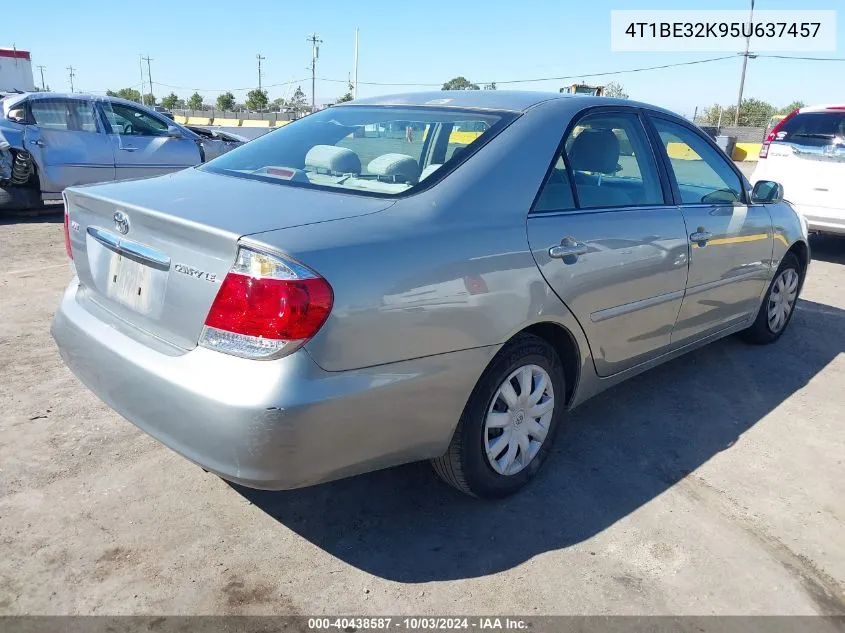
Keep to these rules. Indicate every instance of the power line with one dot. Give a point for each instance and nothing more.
(276, 85)
(618, 72)
(811, 59)
(515, 81)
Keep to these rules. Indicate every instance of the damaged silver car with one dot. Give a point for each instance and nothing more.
(50, 141)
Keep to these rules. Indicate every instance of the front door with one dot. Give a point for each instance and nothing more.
(730, 239)
(609, 242)
(142, 146)
(67, 144)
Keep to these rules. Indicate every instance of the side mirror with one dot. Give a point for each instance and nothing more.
(174, 132)
(767, 192)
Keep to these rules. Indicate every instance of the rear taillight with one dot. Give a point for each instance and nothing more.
(67, 233)
(267, 306)
(772, 135)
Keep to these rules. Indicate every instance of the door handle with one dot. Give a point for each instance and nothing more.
(568, 247)
(129, 149)
(38, 142)
(700, 237)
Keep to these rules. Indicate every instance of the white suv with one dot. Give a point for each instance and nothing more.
(805, 152)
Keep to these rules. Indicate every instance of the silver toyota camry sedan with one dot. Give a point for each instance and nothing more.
(436, 276)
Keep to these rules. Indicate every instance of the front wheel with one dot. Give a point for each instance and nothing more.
(507, 427)
(779, 304)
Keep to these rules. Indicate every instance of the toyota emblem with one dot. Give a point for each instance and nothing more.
(121, 222)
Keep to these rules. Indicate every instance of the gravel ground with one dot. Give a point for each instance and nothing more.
(713, 484)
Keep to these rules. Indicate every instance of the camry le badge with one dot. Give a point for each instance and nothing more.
(194, 272)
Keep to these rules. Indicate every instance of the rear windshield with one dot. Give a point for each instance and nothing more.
(373, 150)
(815, 129)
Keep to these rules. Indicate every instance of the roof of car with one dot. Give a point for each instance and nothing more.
(513, 100)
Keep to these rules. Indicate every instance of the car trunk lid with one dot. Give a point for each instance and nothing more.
(152, 253)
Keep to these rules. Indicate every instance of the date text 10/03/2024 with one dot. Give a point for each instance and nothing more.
(417, 623)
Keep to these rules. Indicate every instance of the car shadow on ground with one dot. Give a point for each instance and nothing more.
(616, 453)
(828, 248)
(48, 214)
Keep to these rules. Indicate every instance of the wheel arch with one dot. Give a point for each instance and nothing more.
(565, 344)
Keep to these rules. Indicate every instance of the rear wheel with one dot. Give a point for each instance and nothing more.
(508, 425)
(13, 197)
(779, 305)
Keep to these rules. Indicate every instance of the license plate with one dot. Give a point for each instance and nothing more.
(130, 283)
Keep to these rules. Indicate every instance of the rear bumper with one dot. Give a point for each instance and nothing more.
(271, 424)
(823, 219)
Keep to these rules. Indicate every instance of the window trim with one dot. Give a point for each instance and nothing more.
(30, 117)
(667, 163)
(665, 183)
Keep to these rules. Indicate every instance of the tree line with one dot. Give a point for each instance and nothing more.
(752, 113)
(256, 101)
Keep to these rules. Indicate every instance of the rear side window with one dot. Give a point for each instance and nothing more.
(375, 150)
(814, 129)
(612, 166)
(701, 171)
(63, 115)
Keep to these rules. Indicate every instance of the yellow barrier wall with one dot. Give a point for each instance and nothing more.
(281, 123)
(463, 138)
(747, 151)
(742, 151)
(227, 122)
(199, 120)
(180, 119)
(255, 123)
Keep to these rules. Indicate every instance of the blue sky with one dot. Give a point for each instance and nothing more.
(211, 44)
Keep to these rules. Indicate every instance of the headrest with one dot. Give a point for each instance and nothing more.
(337, 160)
(400, 167)
(456, 153)
(596, 151)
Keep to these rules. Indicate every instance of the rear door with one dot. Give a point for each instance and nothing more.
(608, 240)
(730, 239)
(808, 158)
(68, 143)
(142, 147)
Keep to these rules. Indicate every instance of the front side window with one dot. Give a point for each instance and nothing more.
(701, 171)
(71, 115)
(612, 166)
(128, 121)
(380, 150)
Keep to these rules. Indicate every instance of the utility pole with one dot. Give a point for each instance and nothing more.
(259, 58)
(744, 64)
(43, 87)
(71, 74)
(149, 77)
(315, 54)
(141, 68)
(355, 85)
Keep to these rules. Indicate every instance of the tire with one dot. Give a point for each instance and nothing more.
(15, 198)
(466, 465)
(763, 331)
